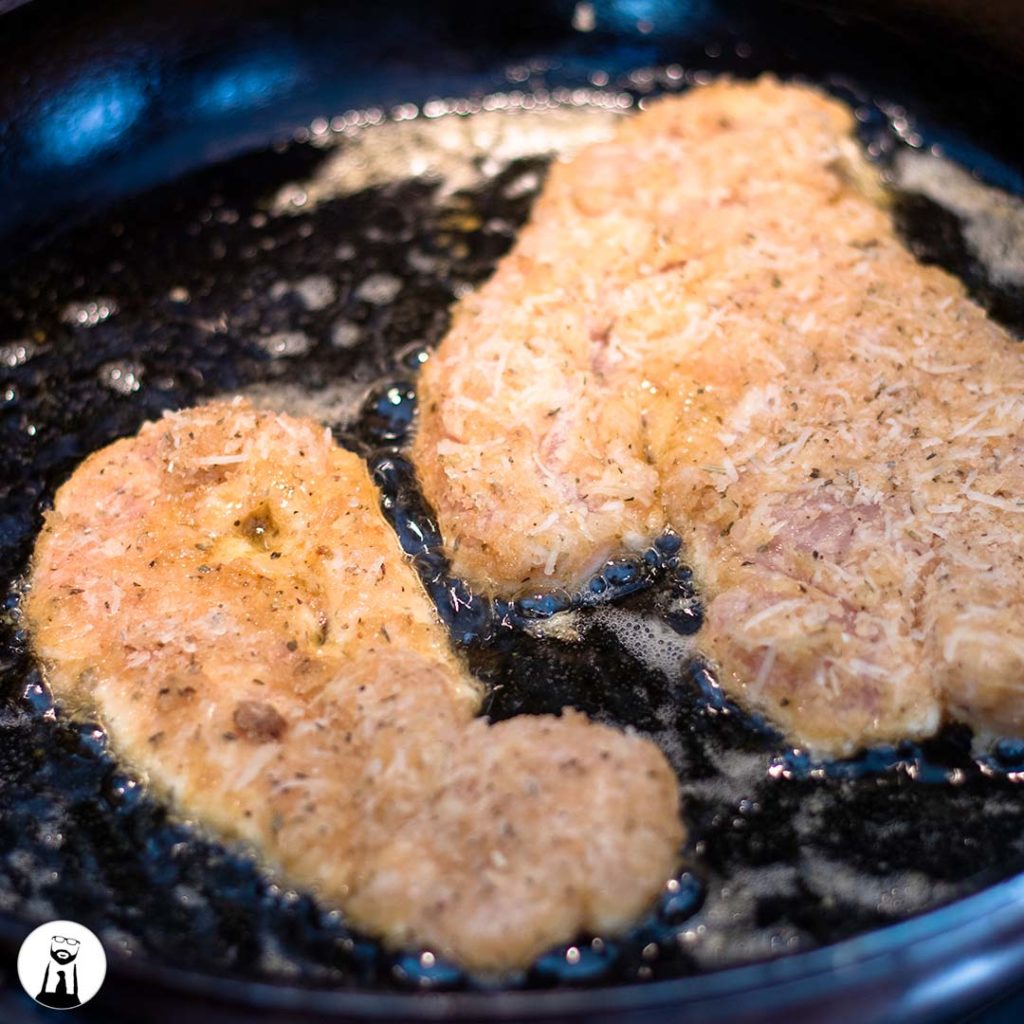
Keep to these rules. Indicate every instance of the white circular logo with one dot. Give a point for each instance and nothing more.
(62, 965)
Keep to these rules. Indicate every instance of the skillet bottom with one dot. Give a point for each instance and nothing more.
(198, 289)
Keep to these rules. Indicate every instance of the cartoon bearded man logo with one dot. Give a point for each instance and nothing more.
(57, 990)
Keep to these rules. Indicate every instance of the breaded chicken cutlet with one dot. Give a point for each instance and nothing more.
(224, 592)
(710, 323)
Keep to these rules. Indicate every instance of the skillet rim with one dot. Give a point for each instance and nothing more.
(989, 920)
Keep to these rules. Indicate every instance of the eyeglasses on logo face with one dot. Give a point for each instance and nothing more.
(65, 941)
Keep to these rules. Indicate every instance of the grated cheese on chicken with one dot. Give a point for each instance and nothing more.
(256, 644)
(833, 427)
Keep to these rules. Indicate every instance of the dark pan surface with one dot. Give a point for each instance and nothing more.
(187, 291)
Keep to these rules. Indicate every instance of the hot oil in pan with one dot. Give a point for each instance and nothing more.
(319, 284)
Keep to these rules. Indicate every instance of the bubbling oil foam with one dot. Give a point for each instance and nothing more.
(458, 147)
(337, 405)
(992, 220)
(650, 640)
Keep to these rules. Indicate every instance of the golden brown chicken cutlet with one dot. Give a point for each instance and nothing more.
(710, 323)
(224, 592)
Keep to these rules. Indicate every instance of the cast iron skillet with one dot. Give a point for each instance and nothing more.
(138, 148)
